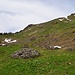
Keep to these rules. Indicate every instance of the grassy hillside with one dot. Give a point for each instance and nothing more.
(54, 32)
(60, 31)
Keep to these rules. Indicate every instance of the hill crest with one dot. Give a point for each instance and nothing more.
(57, 32)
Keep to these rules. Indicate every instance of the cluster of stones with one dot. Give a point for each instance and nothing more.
(25, 53)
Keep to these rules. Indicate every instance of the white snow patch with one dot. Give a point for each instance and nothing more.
(60, 19)
(9, 40)
(14, 41)
(68, 19)
(57, 47)
(3, 44)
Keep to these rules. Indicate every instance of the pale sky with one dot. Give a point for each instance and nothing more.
(15, 15)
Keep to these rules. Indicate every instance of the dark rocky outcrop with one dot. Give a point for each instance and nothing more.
(25, 53)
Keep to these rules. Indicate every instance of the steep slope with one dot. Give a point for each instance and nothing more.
(60, 31)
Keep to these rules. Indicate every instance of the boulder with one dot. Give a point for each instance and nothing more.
(25, 53)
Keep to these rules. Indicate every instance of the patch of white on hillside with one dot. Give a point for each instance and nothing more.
(57, 47)
(3, 44)
(60, 19)
(9, 40)
(68, 19)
